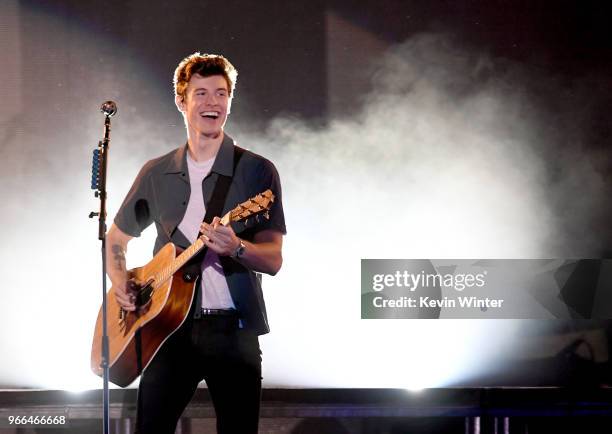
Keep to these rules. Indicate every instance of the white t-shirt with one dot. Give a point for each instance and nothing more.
(215, 292)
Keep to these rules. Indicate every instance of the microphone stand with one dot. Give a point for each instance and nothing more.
(98, 183)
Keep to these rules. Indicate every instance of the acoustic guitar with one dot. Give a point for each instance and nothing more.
(163, 301)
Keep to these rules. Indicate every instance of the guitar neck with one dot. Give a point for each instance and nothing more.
(179, 261)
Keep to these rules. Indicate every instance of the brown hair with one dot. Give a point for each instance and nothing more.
(205, 65)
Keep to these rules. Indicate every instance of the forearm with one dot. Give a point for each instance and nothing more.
(115, 265)
(263, 253)
(116, 247)
(264, 257)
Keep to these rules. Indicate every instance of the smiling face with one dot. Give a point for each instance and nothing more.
(205, 106)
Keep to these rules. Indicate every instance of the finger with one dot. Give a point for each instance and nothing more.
(225, 235)
(215, 247)
(124, 300)
(215, 223)
(126, 304)
(224, 230)
(221, 237)
(211, 236)
(121, 295)
(208, 230)
(206, 234)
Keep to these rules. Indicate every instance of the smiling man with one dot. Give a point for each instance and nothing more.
(218, 342)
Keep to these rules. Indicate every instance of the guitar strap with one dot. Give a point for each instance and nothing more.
(213, 208)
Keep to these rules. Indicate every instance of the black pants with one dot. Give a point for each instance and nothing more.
(212, 349)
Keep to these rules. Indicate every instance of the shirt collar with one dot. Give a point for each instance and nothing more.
(223, 165)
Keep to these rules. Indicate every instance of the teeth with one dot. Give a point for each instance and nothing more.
(211, 114)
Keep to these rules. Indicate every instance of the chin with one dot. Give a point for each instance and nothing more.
(212, 134)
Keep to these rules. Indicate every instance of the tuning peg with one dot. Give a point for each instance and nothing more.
(93, 214)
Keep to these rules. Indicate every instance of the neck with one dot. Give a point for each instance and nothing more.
(203, 148)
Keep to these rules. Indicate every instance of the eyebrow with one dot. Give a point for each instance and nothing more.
(203, 88)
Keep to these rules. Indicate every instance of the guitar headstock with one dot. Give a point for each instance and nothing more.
(252, 207)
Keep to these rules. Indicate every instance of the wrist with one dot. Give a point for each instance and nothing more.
(239, 250)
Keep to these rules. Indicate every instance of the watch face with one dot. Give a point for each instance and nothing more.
(240, 250)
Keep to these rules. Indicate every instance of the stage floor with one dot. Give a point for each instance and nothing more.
(322, 411)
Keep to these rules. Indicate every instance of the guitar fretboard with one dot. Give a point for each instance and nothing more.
(178, 262)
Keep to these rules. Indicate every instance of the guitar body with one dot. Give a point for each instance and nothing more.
(147, 330)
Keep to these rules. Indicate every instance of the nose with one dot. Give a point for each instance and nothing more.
(211, 99)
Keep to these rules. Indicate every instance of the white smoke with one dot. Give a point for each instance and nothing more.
(448, 158)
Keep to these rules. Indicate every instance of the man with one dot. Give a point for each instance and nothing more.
(219, 340)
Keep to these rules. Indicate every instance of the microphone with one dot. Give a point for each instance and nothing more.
(109, 108)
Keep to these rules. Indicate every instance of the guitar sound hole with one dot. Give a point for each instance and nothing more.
(142, 293)
(144, 296)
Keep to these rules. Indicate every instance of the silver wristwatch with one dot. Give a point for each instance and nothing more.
(239, 251)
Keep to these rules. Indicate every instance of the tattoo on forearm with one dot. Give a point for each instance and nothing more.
(118, 256)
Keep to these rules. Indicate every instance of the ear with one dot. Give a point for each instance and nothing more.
(180, 103)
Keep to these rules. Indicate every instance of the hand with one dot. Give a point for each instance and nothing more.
(220, 239)
(126, 294)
